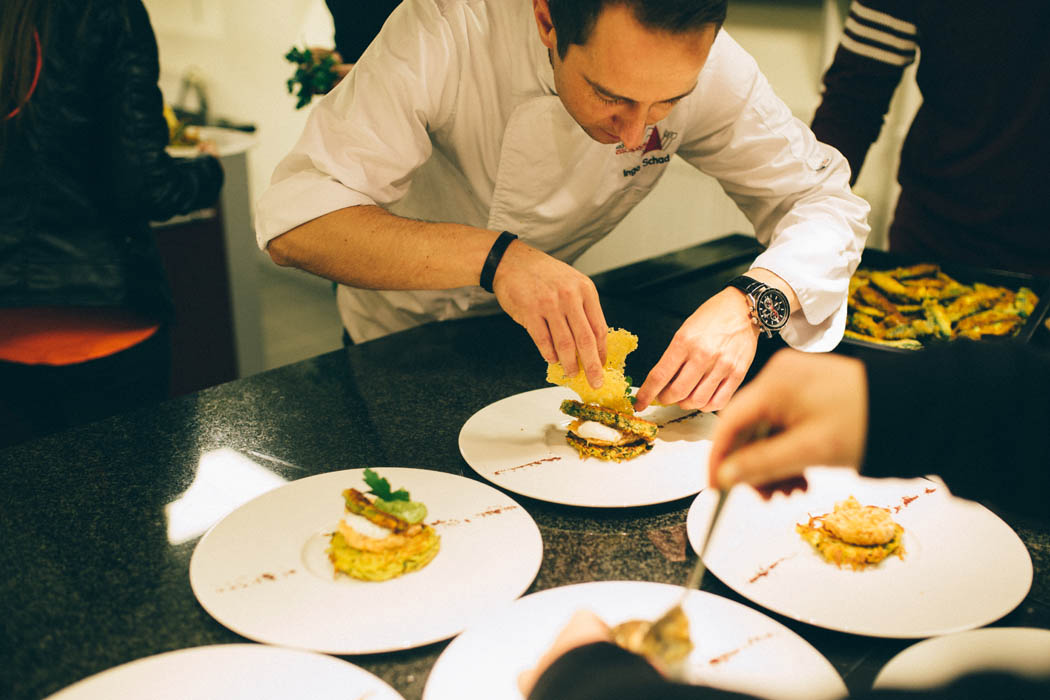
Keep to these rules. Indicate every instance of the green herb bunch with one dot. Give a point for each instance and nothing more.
(312, 76)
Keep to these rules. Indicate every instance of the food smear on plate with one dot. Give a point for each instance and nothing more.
(908, 306)
(382, 537)
(854, 535)
(605, 425)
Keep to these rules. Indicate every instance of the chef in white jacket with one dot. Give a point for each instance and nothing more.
(550, 120)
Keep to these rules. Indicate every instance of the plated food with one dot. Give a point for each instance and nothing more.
(963, 567)
(264, 571)
(734, 647)
(854, 535)
(180, 133)
(605, 425)
(519, 443)
(905, 307)
(390, 538)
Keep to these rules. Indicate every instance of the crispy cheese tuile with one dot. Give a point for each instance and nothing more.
(613, 392)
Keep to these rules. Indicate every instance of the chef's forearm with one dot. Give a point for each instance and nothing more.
(368, 247)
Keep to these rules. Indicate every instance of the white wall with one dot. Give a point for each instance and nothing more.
(238, 47)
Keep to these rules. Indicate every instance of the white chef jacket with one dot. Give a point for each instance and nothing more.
(451, 115)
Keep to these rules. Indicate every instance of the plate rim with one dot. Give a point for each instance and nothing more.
(74, 689)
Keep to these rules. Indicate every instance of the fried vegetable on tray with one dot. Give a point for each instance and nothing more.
(907, 306)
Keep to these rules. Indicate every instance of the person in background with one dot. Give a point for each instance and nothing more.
(974, 413)
(478, 148)
(973, 166)
(84, 302)
(356, 25)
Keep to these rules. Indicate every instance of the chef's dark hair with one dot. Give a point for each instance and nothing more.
(574, 19)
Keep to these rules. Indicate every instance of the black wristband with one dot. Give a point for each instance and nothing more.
(488, 270)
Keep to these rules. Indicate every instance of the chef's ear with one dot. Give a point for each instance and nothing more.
(544, 23)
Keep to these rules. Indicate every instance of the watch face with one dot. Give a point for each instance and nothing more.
(772, 308)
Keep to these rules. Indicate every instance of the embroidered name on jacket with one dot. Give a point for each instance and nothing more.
(654, 142)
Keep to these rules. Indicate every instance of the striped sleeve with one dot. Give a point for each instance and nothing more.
(880, 38)
(878, 35)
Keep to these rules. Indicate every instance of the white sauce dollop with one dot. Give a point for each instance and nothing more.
(591, 430)
(365, 526)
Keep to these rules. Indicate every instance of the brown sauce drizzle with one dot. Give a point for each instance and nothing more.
(907, 500)
(261, 578)
(527, 464)
(764, 571)
(483, 514)
(722, 658)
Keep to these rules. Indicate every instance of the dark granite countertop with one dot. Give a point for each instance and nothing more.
(91, 579)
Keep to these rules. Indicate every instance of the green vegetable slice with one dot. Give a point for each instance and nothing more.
(409, 511)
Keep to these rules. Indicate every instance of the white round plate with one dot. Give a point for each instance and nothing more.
(228, 142)
(938, 661)
(736, 647)
(935, 662)
(232, 672)
(963, 567)
(518, 443)
(263, 572)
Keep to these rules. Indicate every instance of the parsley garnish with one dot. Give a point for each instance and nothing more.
(381, 488)
(627, 391)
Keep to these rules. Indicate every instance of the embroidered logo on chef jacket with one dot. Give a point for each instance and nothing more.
(653, 141)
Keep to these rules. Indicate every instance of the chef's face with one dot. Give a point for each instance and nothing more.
(626, 76)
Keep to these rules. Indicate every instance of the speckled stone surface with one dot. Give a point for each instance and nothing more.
(92, 581)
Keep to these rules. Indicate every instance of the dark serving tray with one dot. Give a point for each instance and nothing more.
(881, 260)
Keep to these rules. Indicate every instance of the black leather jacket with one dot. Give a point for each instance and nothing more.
(84, 170)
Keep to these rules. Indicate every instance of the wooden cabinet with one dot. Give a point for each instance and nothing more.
(195, 259)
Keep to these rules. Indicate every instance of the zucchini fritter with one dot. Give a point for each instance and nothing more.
(626, 423)
(853, 535)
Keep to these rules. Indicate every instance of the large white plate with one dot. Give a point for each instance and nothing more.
(518, 443)
(232, 672)
(736, 647)
(262, 571)
(963, 567)
(936, 662)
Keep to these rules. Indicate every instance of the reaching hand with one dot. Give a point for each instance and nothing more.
(707, 358)
(558, 306)
(583, 628)
(817, 406)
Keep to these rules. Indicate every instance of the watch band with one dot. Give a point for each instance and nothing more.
(748, 285)
(488, 270)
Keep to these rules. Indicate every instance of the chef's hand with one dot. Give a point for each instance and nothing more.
(707, 358)
(817, 407)
(557, 304)
(583, 628)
